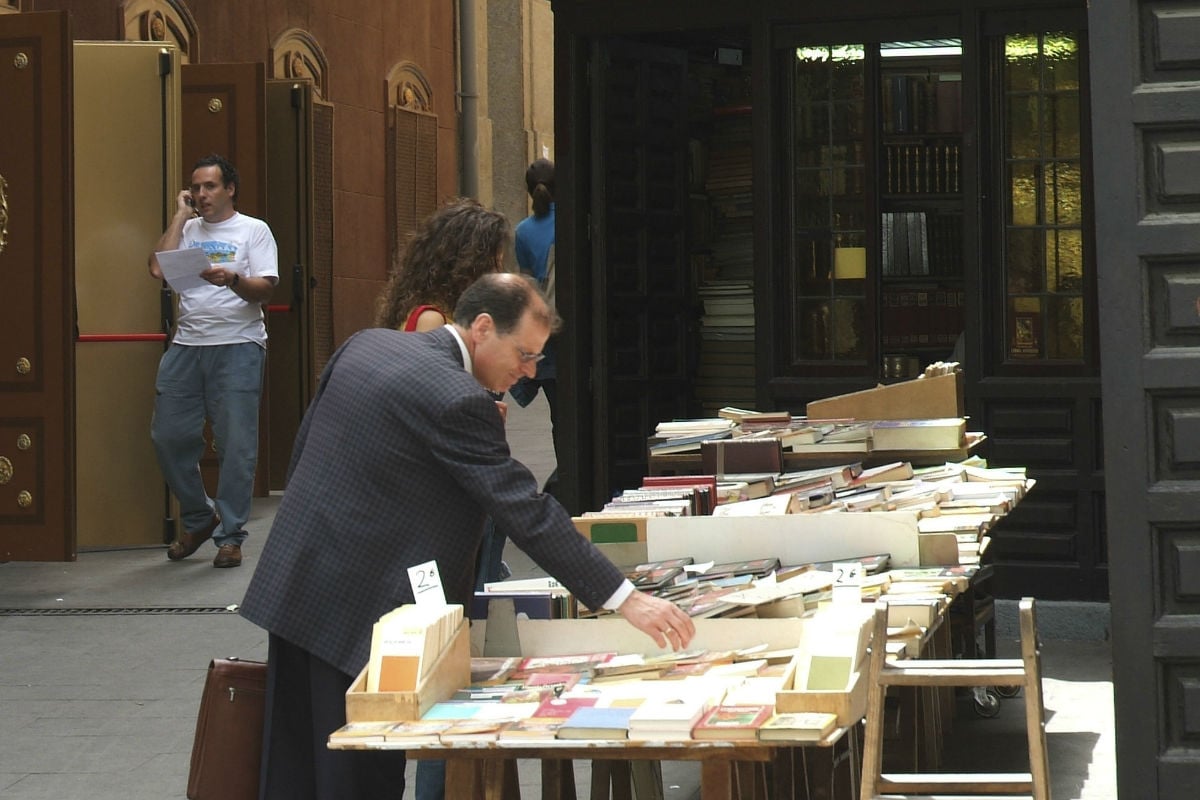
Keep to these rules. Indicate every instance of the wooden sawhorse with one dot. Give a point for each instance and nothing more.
(1023, 673)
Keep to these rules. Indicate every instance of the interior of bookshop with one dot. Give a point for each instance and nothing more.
(835, 561)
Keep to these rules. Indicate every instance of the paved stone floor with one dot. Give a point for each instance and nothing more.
(102, 661)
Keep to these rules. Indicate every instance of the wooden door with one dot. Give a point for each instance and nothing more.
(1032, 355)
(224, 112)
(290, 317)
(639, 256)
(1146, 118)
(37, 361)
(126, 157)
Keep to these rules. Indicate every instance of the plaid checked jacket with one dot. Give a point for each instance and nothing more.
(398, 460)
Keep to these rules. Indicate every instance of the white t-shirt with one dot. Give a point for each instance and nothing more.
(213, 315)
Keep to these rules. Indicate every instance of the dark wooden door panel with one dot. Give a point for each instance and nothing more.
(639, 256)
(37, 362)
(1051, 547)
(290, 315)
(224, 112)
(1146, 123)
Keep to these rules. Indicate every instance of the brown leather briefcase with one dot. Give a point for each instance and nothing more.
(227, 751)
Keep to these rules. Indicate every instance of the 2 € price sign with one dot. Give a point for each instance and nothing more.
(847, 581)
(426, 582)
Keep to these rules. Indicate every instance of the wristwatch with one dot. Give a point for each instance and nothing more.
(236, 278)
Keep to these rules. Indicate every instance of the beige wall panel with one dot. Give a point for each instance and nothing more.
(120, 490)
(119, 205)
(119, 215)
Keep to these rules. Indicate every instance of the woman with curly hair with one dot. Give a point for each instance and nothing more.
(453, 246)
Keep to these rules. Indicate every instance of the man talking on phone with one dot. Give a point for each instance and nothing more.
(213, 368)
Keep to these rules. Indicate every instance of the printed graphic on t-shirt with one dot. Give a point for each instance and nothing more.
(217, 252)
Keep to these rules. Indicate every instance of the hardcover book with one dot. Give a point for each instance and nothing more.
(918, 434)
(732, 722)
(800, 726)
(592, 722)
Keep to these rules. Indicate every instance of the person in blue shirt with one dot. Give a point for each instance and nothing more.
(534, 244)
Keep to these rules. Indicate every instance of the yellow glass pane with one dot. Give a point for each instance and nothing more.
(1064, 328)
(1060, 52)
(1023, 126)
(1064, 264)
(1021, 62)
(1062, 193)
(1062, 126)
(1023, 185)
(1023, 261)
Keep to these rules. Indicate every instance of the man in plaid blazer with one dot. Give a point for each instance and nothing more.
(399, 459)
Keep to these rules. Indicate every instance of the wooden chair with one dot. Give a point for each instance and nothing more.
(1023, 673)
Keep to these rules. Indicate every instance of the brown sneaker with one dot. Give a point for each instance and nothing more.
(230, 555)
(188, 543)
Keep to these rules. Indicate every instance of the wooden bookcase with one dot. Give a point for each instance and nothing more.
(876, 211)
(919, 180)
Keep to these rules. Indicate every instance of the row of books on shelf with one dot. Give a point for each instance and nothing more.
(922, 169)
(921, 318)
(920, 244)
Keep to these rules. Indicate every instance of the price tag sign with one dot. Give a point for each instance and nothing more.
(847, 581)
(426, 583)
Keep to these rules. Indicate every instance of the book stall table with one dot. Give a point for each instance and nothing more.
(825, 767)
(728, 770)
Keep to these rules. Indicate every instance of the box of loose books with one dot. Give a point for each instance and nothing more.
(450, 672)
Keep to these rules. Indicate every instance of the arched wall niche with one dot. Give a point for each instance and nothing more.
(161, 21)
(408, 88)
(297, 55)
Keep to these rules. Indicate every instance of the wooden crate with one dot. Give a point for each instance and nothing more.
(451, 672)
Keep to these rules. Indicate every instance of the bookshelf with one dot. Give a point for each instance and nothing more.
(876, 210)
(919, 179)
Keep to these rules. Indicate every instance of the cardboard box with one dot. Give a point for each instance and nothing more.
(451, 672)
(920, 398)
(793, 538)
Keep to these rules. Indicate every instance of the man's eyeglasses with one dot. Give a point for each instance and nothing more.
(530, 358)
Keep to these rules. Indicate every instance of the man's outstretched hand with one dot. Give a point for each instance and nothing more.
(659, 619)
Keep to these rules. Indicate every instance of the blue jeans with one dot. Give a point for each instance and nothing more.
(222, 383)
(431, 780)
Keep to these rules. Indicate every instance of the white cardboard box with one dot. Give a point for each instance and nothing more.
(794, 538)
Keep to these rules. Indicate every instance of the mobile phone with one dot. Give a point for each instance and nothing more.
(191, 201)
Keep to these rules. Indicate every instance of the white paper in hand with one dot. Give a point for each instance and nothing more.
(181, 268)
(426, 582)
